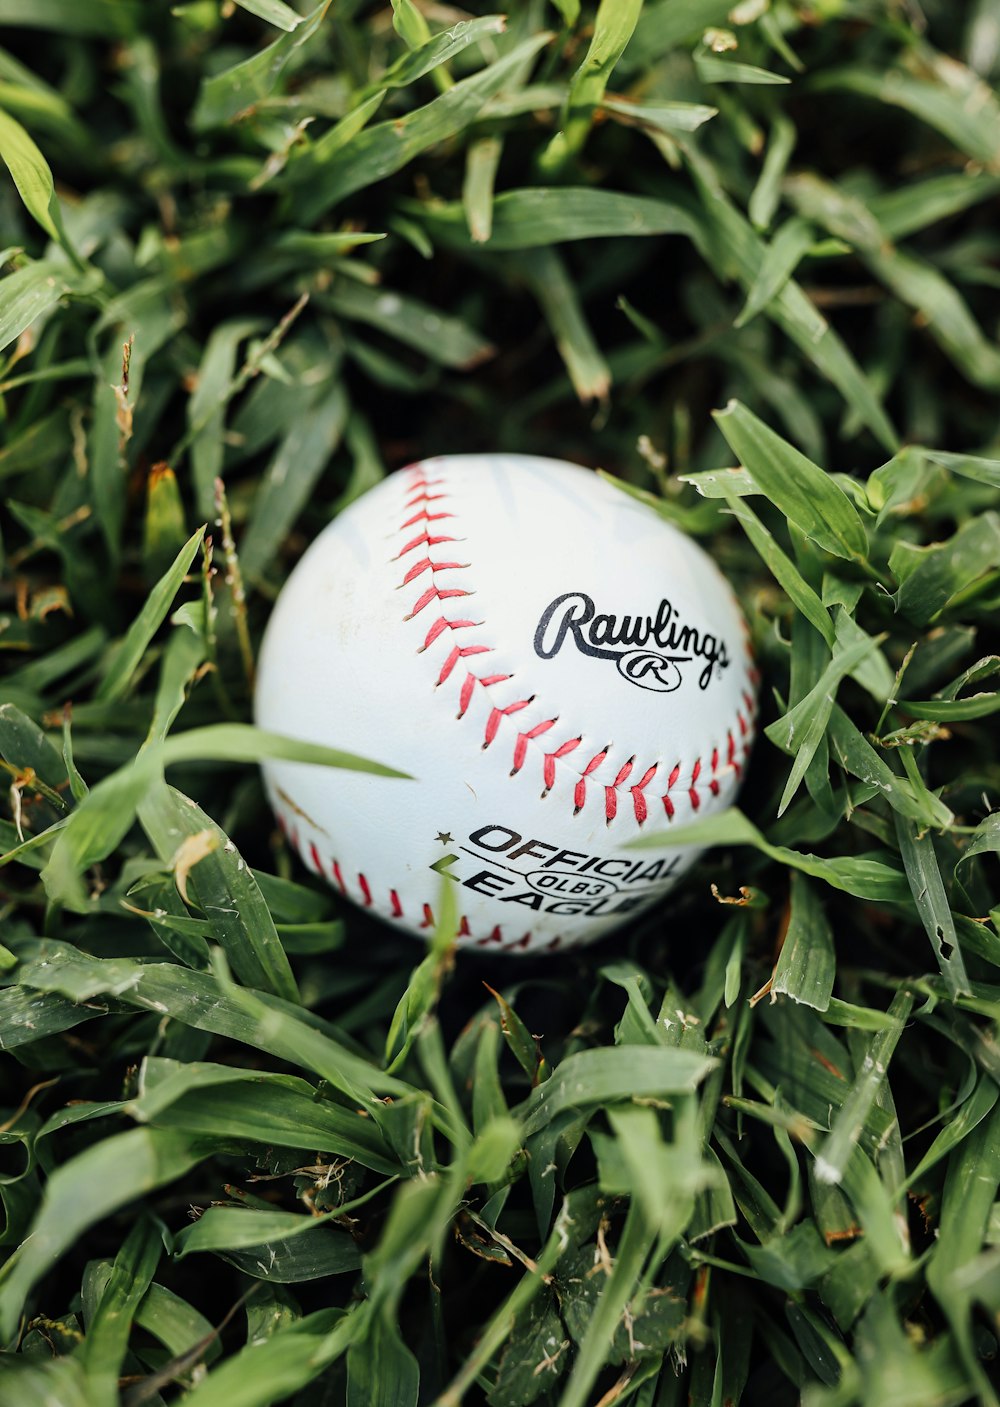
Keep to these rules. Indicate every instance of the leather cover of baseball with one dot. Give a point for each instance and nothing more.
(556, 667)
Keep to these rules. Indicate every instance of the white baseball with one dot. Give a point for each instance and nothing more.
(556, 667)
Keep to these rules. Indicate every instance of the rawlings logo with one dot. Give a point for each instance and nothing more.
(574, 615)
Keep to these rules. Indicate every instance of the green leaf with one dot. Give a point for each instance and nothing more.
(26, 1016)
(103, 1350)
(801, 730)
(833, 1154)
(281, 1247)
(86, 1188)
(807, 964)
(108, 811)
(25, 747)
(767, 192)
(857, 756)
(477, 188)
(129, 653)
(546, 275)
(864, 876)
(712, 70)
(378, 152)
(446, 340)
(613, 27)
(417, 1004)
(540, 216)
(659, 117)
(944, 312)
(931, 902)
(285, 487)
(427, 54)
(969, 1193)
(229, 94)
(409, 23)
(783, 256)
(534, 1357)
(943, 569)
(220, 885)
(970, 466)
(954, 100)
(26, 294)
(206, 407)
(200, 1000)
(735, 246)
(598, 1076)
(381, 1370)
(267, 1370)
(780, 565)
(276, 12)
(33, 179)
(809, 497)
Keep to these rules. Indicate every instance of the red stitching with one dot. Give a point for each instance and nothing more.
(422, 516)
(419, 497)
(420, 540)
(442, 624)
(465, 697)
(433, 593)
(522, 942)
(580, 790)
(426, 565)
(395, 906)
(459, 653)
(693, 796)
(497, 714)
(638, 800)
(523, 739)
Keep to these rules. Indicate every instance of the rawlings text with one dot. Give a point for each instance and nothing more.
(572, 615)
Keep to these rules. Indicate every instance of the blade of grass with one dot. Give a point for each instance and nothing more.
(378, 152)
(225, 96)
(805, 494)
(103, 1350)
(833, 1154)
(613, 27)
(129, 653)
(807, 964)
(85, 1189)
(931, 903)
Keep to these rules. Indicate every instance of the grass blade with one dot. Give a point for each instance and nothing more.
(86, 1188)
(105, 1346)
(128, 654)
(377, 152)
(931, 902)
(805, 494)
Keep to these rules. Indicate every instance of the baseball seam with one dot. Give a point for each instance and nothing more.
(707, 772)
(426, 504)
(311, 858)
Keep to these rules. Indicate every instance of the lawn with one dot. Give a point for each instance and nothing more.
(258, 1148)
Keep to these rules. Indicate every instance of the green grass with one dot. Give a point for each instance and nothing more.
(255, 1149)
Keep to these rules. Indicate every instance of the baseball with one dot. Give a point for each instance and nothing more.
(556, 668)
